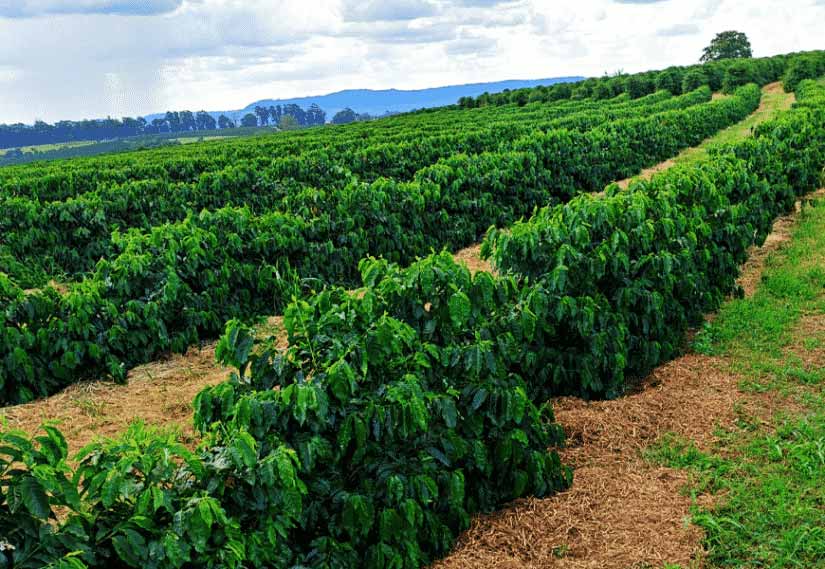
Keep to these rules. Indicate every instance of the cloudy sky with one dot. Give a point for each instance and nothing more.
(70, 59)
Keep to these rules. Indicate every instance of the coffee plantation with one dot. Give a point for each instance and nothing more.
(412, 394)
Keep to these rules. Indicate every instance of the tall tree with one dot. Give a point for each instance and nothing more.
(225, 122)
(160, 125)
(173, 120)
(345, 116)
(297, 113)
(315, 115)
(263, 115)
(187, 121)
(205, 121)
(249, 119)
(727, 45)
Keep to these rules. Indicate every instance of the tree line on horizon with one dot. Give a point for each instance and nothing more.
(282, 116)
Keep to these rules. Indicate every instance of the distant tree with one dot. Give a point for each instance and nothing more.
(263, 115)
(537, 95)
(249, 119)
(520, 97)
(738, 73)
(160, 125)
(560, 91)
(205, 121)
(297, 112)
(187, 121)
(637, 86)
(694, 79)
(315, 115)
(288, 122)
(670, 80)
(225, 122)
(130, 125)
(485, 99)
(602, 91)
(345, 116)
(173, 120)
(727, 45)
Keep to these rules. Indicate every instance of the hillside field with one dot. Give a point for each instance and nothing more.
(323, 382)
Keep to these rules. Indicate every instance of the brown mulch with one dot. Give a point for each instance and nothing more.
(159, 393)
(471, 256)
(623, 512)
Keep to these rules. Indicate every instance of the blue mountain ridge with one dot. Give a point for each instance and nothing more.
(377, 102)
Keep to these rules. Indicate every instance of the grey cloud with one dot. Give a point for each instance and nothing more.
(34, 8)
(379, 10)
(639, 1)
(478, 3)
(501, 18)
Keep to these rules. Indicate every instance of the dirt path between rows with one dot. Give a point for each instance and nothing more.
(159, 393)
(622, 512)
(763, 113)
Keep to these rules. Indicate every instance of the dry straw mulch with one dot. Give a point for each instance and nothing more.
(159, 393)
(623, 512)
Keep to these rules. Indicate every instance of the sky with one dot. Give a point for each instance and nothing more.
(74, 59)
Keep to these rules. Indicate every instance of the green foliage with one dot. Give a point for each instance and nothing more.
(800, 68)
(402, 409)
(727, 48)
(633, 270)
(727, 45)
(738, 74)
(670, 80)
(169, 286)
(693, 80)
(144, 500)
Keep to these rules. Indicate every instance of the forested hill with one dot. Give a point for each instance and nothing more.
(378, 102)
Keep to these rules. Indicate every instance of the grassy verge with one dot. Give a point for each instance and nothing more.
(767, 476)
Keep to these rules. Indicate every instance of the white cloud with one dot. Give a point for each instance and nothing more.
(679, 30)
(85, 58)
